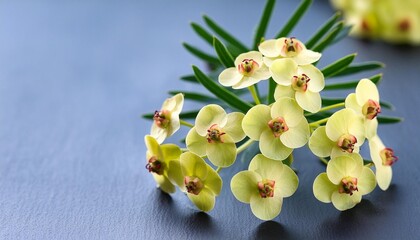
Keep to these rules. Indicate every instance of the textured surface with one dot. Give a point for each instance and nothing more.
(74, 79)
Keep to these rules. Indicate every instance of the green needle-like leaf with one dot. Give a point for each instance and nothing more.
(203, 33)
(338, 65)
(389, 120)
(360, 67)
(183, 115)
(344, 32)
(271, 89)
(224, 55)
(331, 101)
(322, 30)
(198, 97)
(326, 41)
(200, 54)
(220, 92)
(347, 85)
(189, 78)
(262, 26)
(294, 19)
(224, 34)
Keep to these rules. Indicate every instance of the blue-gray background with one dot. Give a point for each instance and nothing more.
(76, 75)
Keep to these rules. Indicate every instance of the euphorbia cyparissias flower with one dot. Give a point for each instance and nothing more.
(280, 128)
(302, 83)
(345, 182)
(249, 69)
(166, 120)
(215, 134)
(162, 163)
(200, 182)
(365, 102)
(264, 185)
(287, 48)
(383, 158)
(343, 134)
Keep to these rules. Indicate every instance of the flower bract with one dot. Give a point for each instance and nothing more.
(264, 185)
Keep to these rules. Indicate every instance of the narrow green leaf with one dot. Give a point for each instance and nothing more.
(198, 97)
(331, 101)
(206, 36)
(352, 84)
(322, 30)
(271, 88)
(344, 32)
(189, 78)
(338, 65)
(200, 54)
(224, 34)
(182, 115)
(294, 19)
(262, 26)
(220, 92)
(327, 40)
(389, 120)
(360, 67)
(224, 55)
(148, 116)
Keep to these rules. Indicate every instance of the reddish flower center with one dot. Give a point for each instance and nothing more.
(404, 25)
(346, 143)
(348, 185)
(300, 83)
(194, 185)
(371, 109)
(388, 157)
(278, 126)
(291, 47)
(214, 134)
(266, 188)
(155, 165)
(162, 118)
(248, 67)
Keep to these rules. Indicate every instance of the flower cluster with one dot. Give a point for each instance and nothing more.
(292, 115)
(393, 21)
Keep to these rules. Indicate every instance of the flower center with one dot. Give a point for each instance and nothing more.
(278, 126)
(162, 118)
(266, 188)
(214, 134)
(155, 165)
(291, 47)
(300, 83)
(346, 143)
(348, 185)
(194, 185)
(404, 25)
(248, 67)
(388, 157)
(371, 109)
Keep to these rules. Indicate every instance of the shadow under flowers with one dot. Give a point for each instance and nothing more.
(271, 230)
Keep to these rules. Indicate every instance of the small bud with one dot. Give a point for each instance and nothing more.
(346, 143)
(266, 188)
(278, 126)
(194, 185)
(371, 109)
(388, 157)
(348, 185)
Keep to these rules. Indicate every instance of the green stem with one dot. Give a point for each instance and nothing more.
(337, 105)
(323, 160)
(218, 169)
(254, 94)
(244, 146)
(185, 123)
(317, 123)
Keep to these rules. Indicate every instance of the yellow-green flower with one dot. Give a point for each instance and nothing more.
(249, 69)
(163, 163)
(383, 158)
(302, 83)
(365, 102)
(200, 182)
(166, 121)
(264, 185)
(280, 128)
(345, 182)
(287, 48)
(215, 134)
(343, 134)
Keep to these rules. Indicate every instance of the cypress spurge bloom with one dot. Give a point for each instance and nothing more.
(215, 134)
(249, 69)
(166, 121)
(279, 128)
(201, 183)
(383, 158)
(343, 134)
(163, 163)
(287, 48)
(365, 102)
(264, 185)
(300, 82)
(345, 182)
